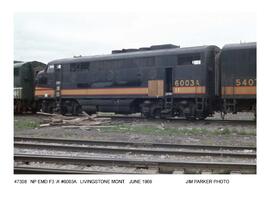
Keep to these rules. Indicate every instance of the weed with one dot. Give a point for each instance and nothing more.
(25, 124)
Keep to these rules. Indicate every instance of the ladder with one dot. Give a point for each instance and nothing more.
(168, 105)
(230, 105)
(58, 96)
(199, 104)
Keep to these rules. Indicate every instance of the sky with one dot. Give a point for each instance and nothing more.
(48, 36)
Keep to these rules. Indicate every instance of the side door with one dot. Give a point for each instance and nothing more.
(168, 84)
(58, 84)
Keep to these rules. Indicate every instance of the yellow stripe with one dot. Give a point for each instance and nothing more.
(118, 91)
(189, 90)
(42, 88)
(113, 91)
(44, 92)
(238, 90)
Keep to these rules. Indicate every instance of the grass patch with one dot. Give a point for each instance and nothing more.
(222, 131)
(161, 131)
(25, 124)
(153, 130)
(247, 132)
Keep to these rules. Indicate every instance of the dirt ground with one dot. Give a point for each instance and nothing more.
(237, 130)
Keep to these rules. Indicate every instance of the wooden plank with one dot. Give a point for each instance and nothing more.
(46, 114)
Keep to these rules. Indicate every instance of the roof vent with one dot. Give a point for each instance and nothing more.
(77, 56)
(154, 47)
(164, 46)
(15, 61)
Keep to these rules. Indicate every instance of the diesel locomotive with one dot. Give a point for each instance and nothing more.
(237, 63)
(24, 86)
(157, 81)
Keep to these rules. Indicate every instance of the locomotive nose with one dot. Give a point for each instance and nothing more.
(41, 78)
(38, 76)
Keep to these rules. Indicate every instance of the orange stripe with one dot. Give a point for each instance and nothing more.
(118, 91)
(189, 90)
(42, 88)
(42, 91)
(104, 91)
(238, 90)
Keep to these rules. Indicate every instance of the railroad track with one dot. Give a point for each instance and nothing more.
(36, 170)
(163, 166)
(133, 150)
(25, 139)
(115, 149)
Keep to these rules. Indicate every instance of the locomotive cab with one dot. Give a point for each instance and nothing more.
(49, 88)
(41, 78)
(45, 83)
(194, 82)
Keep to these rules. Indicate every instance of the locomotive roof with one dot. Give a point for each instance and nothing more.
(33, 63)
(136, 54)
(239, 46)
(17, 65)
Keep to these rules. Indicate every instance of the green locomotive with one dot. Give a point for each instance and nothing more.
(24, 82)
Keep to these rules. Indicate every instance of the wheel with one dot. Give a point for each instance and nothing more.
(157, 113)
(44, 107)
(146, 111)
(222, 115)
(146, 114)
(254, 111)
(189, 112)
(76, 108)
(64, 110)
(190, 118)
(201, 117)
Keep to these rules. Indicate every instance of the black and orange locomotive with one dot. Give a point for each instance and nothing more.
(159, 81)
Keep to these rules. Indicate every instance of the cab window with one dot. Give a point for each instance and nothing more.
(50, 69)
(194, 59)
